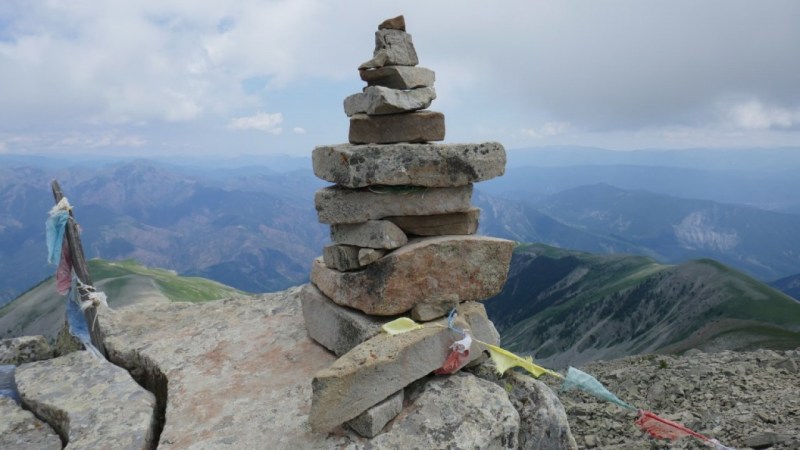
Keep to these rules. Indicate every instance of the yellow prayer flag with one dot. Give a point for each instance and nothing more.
(400, 326)
(505, 360)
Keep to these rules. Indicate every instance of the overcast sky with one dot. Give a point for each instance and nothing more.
(202, 77)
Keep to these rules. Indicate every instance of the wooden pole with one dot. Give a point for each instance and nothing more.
(81, 268)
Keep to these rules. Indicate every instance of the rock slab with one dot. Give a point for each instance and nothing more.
(24, 349)
(419, 126)
(337, 205)
(456, 269)
(378, 100)
(372, 421)
(399, 77)
(431, 165)
(459, 411)
(376, 369)
(335, 327)
(89, 401)
(379, 234)
(21, 430)
(393, 47)
(439, 224)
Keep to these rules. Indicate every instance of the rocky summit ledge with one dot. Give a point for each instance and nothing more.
(237, 373)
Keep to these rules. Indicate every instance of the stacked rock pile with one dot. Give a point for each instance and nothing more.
(403, 242)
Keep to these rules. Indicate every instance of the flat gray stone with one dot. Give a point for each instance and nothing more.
(341, 257)
(392, 48)
(335, 327)
(379, 100)
(337, 205)
(463, 223)
(443, 269)
(239, 370)
(21, 430)
(371, 234)
(425, 311)
(431, 165)
(381, 366)
(399, 77)
(24, 349)
(368, 256)
(348, 257)
(456, 411)
(89, 401)
(372, 421)
(419, 126)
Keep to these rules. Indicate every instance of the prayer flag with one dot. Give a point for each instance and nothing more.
(577, 379)
(505, 360)
(662, 428)
(400, 326)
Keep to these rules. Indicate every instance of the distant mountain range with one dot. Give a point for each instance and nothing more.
(567, 307)
(254, 227)
(789, 286)
(257, 232)
(41, 309)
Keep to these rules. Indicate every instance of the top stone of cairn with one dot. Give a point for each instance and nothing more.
(393, 46)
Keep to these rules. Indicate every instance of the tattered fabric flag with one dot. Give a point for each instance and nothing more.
(505, 360)
(662, 428)
(400, 326)
(77, 323)
(64, 271)
(54, 230)
(717, 446)
(577, 379)
(458, 357)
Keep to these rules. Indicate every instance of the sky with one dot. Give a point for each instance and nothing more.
(214, 77)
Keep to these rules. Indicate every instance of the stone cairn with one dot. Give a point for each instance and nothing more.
(402, 228)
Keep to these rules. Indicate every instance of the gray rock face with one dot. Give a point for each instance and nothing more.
(456, 411)
(431, 165)
(336, 205)
(238, 369)
(419, 126)
(392, 48)
(372, 421)
(395, 23)
(88, 401)
(21, 430)
(456, 269)
(335, 327)
(399, 77)
(341, 257)
(543, 422)
(371, 234)
(378, 100)
(368, 256)
(439, 224)
(374, 370)
(24, 349)
(738, 398)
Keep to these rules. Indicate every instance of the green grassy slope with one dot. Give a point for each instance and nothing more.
(568, 307)
(40, 310)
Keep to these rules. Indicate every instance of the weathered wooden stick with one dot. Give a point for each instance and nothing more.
(81, 268)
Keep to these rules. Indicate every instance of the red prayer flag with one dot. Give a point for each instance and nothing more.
(662, 428)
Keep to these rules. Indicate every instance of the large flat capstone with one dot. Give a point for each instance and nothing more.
(89, 401)
(432, 165)
(374, 370)
(442, 269)
(419, 126)
(340, 205)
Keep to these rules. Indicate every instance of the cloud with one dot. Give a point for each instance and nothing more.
(261, 121)
(755, 115)
(549, 129)
(299, 130)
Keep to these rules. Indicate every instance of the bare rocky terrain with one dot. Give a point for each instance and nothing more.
(742, 399)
